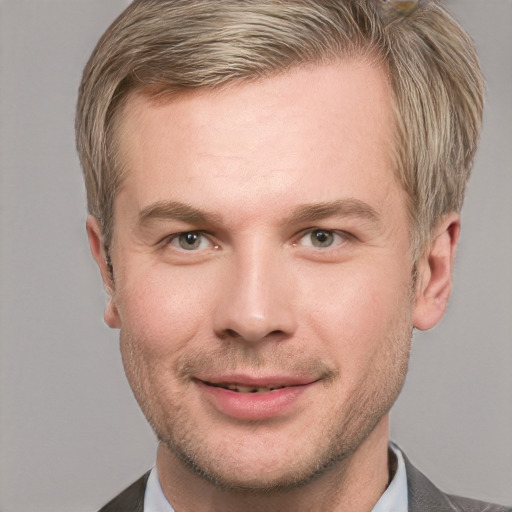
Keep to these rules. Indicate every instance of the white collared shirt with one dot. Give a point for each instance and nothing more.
(394, 498)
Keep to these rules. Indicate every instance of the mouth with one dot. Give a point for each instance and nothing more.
(239, 388)
(250, 398)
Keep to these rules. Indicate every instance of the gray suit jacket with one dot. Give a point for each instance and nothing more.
(424, 496)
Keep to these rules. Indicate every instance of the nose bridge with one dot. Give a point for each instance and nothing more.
(256, 301)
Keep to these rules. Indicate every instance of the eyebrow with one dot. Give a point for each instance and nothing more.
(339, 208)
(175, 210)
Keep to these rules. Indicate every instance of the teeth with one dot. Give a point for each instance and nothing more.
(248, 389)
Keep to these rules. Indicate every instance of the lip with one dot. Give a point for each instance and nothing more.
(286, 393)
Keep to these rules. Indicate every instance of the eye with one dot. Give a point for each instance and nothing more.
(190, 241)
(321, 238)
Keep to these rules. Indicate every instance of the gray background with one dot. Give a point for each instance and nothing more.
(71, 433)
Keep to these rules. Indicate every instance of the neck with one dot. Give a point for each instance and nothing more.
(356, 483)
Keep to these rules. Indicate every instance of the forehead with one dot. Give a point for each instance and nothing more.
(309, 135)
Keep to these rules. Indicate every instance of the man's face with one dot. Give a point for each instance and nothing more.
(262, 271)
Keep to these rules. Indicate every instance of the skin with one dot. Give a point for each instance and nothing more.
(296, 269)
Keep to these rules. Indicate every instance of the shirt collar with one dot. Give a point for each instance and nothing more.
(395, 496)
(154, 498)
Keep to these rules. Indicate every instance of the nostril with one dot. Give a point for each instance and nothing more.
(230, 333)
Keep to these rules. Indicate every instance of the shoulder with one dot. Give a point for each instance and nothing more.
(131, 499)
(425, 496)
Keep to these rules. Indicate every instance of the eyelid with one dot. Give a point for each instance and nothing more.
(343, 236)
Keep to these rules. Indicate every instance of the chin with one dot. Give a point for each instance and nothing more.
(260, 465)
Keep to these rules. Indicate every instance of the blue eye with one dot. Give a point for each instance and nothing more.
(190, 241)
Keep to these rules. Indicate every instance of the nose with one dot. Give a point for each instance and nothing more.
(256, 300)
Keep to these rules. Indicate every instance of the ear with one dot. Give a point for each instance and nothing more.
(95, 234)
(435, 270)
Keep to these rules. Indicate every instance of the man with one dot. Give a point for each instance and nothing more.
(274, 190)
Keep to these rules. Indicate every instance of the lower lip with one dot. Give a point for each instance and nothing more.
(253, 406)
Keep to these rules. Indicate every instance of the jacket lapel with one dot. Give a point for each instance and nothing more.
(423, 494)
(131, 499)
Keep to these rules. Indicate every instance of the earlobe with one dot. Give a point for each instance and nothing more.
(94, 232)
(434, 273)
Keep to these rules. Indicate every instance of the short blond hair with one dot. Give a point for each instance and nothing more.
(168, 46)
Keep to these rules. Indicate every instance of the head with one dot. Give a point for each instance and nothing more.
(266, 178)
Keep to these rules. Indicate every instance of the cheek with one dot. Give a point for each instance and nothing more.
(356, 310)
(162, 307)
(161, 312)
